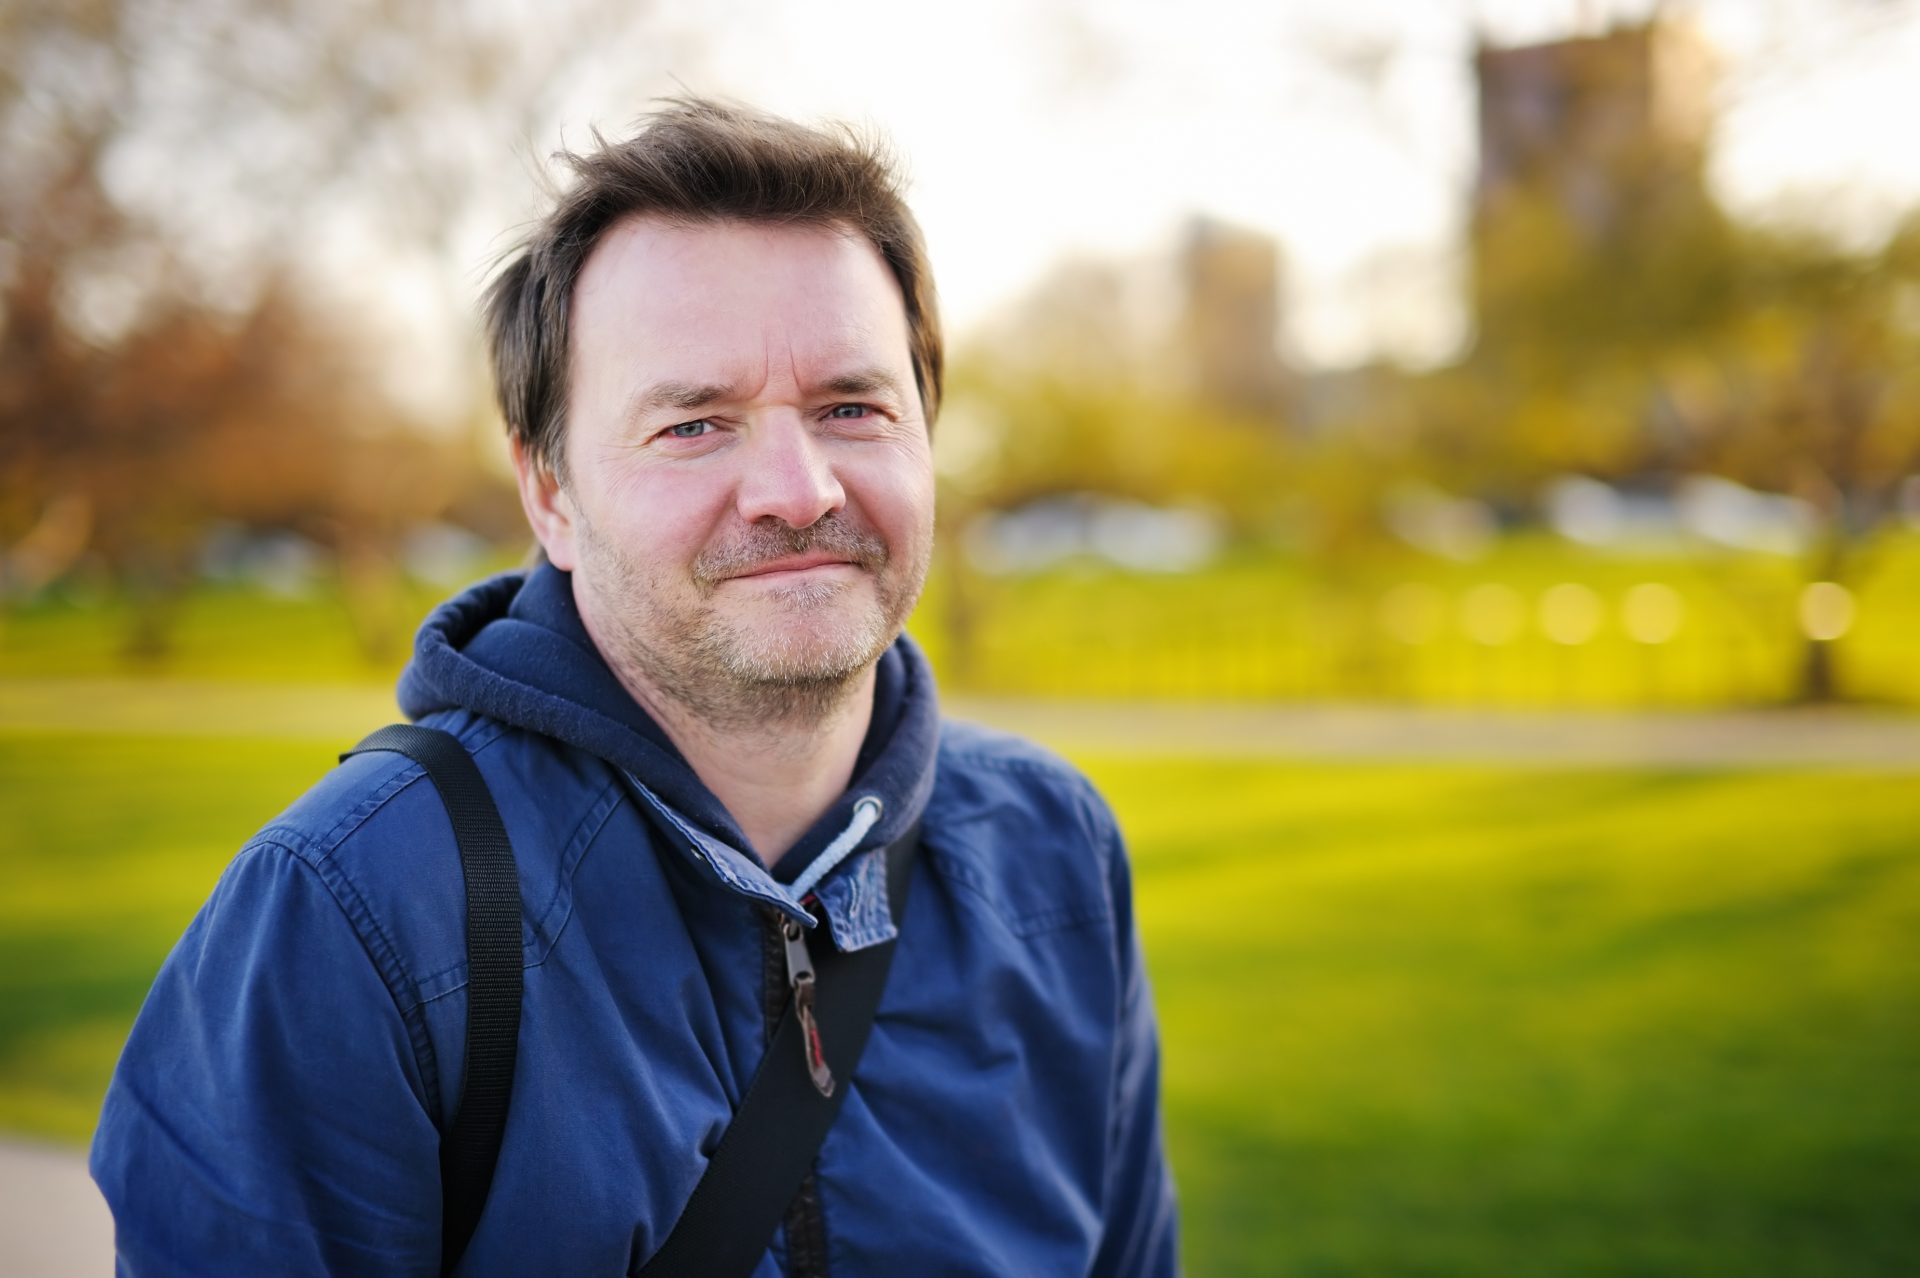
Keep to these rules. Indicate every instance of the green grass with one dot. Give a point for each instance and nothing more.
(109, 845)
(1453, 1021)
(1418, 1020)
(223, 633)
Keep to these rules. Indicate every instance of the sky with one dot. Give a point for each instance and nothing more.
(1039, 130)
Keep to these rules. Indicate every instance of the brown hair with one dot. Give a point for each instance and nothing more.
(693, 160)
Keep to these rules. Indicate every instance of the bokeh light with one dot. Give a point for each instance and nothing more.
(1413, 612)
(1826, 611)
(1570, 613)
(1492, 614)
(1652, 612)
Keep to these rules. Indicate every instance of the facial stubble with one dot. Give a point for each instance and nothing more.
(766, 661)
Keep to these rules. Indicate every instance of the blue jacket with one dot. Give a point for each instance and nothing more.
(279, 1103)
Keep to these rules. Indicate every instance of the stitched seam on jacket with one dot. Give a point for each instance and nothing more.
(559, 909)
(1052, 771)
(381, 952)
(1096, 824)
(553, 919)
(1036, 923)
(481, 735)
(478, 736)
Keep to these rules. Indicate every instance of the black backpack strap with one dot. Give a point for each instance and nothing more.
(470, 1147)
(771, 1142)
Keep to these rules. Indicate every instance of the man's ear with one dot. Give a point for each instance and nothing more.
(549, 509)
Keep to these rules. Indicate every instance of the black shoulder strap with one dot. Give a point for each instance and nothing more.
(471, 1145)
(771, 1142)
(767, 1149)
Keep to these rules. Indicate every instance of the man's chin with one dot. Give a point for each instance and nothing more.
(822, 646)
(799, 663)
(800, 591)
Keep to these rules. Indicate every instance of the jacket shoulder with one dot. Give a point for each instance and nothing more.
(377, 832)
(1022, 827)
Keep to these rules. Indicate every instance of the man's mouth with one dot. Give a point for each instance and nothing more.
(771, 552)
(794, 563)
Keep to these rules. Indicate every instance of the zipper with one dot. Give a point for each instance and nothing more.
(804, 1223)
(800, 979)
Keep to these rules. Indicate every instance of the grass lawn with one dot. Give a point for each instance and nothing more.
(1453, 1021)
(1418, 1020)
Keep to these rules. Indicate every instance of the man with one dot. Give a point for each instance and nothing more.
(718, 358)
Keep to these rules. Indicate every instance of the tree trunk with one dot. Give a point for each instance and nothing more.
(1818, 684)
(1819, 677)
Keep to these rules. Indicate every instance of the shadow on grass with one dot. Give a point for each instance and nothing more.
(1401, 1202)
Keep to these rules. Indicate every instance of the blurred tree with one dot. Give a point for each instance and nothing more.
(171, 174)
(1628, 329)
(1778, 360)
(1811, 386)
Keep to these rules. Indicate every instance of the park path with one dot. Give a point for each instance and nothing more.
(1731, 738)
(1783, 737)
(53, 1222)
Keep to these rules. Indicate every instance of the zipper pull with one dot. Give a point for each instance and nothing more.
(800, 976)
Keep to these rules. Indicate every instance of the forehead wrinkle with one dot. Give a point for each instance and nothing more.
(862, 371)
(860, 357)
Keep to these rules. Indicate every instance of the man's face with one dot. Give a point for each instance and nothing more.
(748, 505)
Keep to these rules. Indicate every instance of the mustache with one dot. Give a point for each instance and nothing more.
(760, 544)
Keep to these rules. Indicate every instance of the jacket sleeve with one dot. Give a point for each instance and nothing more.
(1140, 1219)
(267, 1114)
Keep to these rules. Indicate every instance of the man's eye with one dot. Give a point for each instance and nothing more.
(848, 411)
(689, 430)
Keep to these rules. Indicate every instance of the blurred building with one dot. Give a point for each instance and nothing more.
(1609, 132)
(1229, 326)
(1203, 320)
(1084, 321)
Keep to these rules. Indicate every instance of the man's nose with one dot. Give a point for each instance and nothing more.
(789, 475)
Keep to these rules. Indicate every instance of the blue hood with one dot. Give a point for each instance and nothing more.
(514, 648)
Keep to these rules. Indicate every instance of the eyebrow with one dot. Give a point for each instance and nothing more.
(685, 396)
(692, 396)
(865, 381)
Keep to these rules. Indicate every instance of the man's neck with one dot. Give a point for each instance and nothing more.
(776, 762)
(775, 777)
